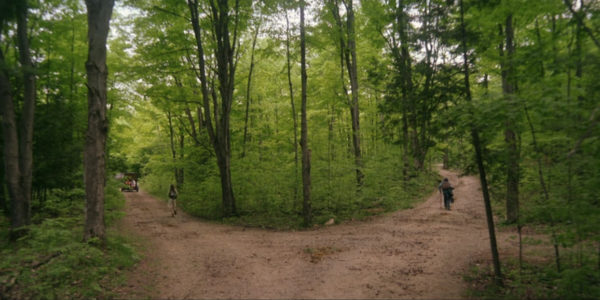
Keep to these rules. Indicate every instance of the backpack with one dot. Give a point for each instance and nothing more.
(446, 185)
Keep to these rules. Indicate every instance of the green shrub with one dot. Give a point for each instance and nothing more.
(52, 262)
(539, 280)
(264, 191)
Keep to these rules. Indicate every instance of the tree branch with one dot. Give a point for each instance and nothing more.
(579, 18)
(170, 12)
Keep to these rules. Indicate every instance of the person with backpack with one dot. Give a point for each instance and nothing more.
(173, 200)
(446, 189)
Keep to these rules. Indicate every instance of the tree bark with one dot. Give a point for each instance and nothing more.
(72, 59)
(11, 152)
(188, 112)
(479, 155)
(424, 112)
(176, 171)
(294, 115)
(540, 47)
(249, 85)
(408, 90)
(353, 74)
(578, 59)
(171, 137)
(226, 75)
(180, 171)
(18, 149)
(509, 88)
(306, 152)
(193, 133)
(3, 201)
(331, 152)
(404, 78)
(26, 136)
(219, 135)
(348, 55)
(99, 13)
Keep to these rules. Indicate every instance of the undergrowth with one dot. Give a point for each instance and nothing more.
(578, 279)
(268, 189)
(378, 195)
(52, 262)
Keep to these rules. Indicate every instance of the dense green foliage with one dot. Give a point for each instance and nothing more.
(266, 179)
(51, 262)
(555, 113)
(412, 108)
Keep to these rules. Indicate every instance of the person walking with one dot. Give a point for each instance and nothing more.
(173, 200)
(446, 189)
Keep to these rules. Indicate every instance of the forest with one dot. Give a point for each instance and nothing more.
(284, 115)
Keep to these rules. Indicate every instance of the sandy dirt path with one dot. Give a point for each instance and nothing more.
(418, 253)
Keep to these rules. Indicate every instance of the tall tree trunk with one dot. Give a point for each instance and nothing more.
(180, 171)
(294, 115)
(188, 112)
(330, 152)
(578, 59)
(555, 61)
(405, 144)
(543, 185)
(479, 155)
(540, 47)
(18, 149)
(11, 151)
(26, 136)
(598, 260)
(510, 136)
(72, 57)
(403, 67)
(99, 13)
(348, 56)
(408, 92)
(226, 74)
(190, 118)
(424, 109)
(248, 97)
(219, 135)
(3, 199)
(172, 144)
(306, 152)
(351, 65)
(539, 154)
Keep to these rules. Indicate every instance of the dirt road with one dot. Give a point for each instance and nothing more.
(416, 253)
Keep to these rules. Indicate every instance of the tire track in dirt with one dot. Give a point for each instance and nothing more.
(416, 253)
